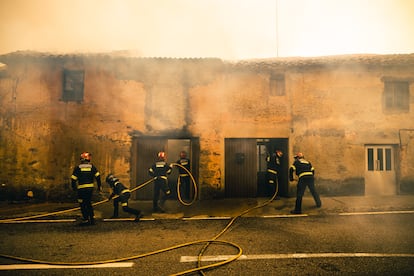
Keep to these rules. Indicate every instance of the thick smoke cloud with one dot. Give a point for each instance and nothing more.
(231, 29)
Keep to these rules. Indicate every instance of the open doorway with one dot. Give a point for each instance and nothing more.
(174, 147)
(144, 152)
(245, 166)
(264, 147)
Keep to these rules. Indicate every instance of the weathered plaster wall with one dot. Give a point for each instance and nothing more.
(42, 136)
(25, 126)
(234, 105)
(328, 112)
(406, 160)
(337, 111)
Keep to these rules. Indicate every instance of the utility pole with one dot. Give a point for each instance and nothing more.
(277, 30)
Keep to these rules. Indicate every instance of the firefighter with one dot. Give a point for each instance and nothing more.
(123, 193)
(83, 177)
(305, 172)
(160, 170)
(183, 176)
(273, 168)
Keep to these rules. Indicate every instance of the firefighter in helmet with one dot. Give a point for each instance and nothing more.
(82, 179)
(160, 171)
(183, 176)
(273, 168)
(123, 194)
(305, 172)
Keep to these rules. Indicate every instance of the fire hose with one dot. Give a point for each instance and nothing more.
(206, 243)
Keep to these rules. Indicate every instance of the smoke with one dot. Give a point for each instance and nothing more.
(231, 29)
(166, 28)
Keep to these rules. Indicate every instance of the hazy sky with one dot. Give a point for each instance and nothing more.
(227, 29)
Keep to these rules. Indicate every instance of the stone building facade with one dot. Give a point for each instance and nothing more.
(352, 116)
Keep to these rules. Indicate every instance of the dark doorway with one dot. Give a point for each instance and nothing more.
(265, 146)
(245, 166)
(144, 153)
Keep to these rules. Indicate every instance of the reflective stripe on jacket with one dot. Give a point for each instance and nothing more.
(301, 167)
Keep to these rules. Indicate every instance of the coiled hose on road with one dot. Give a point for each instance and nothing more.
(206, 243)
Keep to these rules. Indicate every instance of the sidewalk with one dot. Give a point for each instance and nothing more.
(283, 206)
(226, 207)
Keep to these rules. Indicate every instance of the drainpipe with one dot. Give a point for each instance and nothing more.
(399, 133)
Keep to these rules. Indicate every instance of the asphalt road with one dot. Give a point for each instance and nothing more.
(381, 244)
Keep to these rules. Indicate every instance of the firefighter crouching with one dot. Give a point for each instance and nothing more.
(123, 193)
(83, 177)
(160, 170)
(305, 172)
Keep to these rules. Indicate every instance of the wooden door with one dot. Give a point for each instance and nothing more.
(240, 167)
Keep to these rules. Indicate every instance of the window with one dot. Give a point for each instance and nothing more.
(376, 160)
(396, 96)
(277, 85)
(73, 85)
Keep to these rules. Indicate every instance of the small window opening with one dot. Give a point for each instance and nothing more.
(277, 85)
(73, 83)
(396, 96)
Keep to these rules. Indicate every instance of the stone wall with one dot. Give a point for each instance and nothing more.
(329, 112)
(42, 136)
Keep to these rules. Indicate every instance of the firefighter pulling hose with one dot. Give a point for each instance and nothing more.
(160, 170)
(115, 197)
(183, 181)
(199, 267)
(123, 194)
(83, 177)
(179, 186)
(206, 243)
(70, 210)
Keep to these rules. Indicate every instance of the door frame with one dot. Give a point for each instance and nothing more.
(380, 169)
(243, 177)
(271, 145)
(143, 154)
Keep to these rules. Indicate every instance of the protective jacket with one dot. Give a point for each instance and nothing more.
(273, 163)
(123, 194)
(117, 188)
(160, 169)
(185, 162)
(84, 175)
(302, 168)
